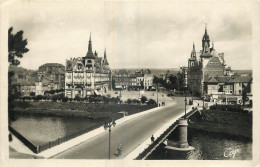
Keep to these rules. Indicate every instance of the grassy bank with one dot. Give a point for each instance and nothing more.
(227, 122)
(77, 109)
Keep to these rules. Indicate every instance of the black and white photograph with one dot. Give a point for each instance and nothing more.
(148, 82)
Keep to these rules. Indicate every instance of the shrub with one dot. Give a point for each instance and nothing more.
(235, 108)
(32, 93)
(151, 102)
(77, 98)
(129, 101)
(108, 95)
(65, 99)
(38, 97)
(143, 99)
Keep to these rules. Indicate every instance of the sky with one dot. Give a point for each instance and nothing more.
(145, 34)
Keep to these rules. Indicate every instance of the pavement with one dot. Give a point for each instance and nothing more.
(134, 135)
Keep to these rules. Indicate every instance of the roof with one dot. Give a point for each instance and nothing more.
(245, 79)
(122, 71)
(214, 63)
(52, 65)
(212, 80)
(228, 79)
(206, 55)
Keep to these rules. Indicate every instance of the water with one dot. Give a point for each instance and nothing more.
(42, 129)
(214, 146)
(209, 146)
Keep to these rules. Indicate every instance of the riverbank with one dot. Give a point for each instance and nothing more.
(77, 109)
(226, 122)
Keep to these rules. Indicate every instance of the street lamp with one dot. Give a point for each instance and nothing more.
(108, 126)
(185, 105)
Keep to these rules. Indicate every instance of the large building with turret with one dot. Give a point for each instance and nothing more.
(203, 65)
(209, 77)
(87, 75)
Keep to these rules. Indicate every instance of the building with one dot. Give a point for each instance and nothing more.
(87, 75)
(148, 81)
(182, 76)
(22, 81)
(142, 79)
(203, 65)
(229, 89)
(52, 74)
(122, 79)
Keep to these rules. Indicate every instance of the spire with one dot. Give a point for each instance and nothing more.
(90, 44)
(193, 52)
(90, 53)
(105, 57)
(205, 40)
(105, 54)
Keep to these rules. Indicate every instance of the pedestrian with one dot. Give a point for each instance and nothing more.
(119, 149)
(152, 138)
(10, 137)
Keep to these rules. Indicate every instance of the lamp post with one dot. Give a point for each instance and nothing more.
(108, 126)
(185, 105)
(157, 92)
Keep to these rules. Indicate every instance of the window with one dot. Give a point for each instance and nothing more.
(231, 91)
(240, 92)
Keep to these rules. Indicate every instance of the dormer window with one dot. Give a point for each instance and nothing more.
(79, 66)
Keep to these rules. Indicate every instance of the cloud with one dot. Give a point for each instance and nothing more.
(136, 34)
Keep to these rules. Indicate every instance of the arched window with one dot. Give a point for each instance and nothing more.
(89, 61)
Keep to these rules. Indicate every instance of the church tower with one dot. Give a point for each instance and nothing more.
(193, 58)
(205, 42)
(105, 62)
(90, 58)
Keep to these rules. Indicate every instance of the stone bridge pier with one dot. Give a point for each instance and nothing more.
(179, 144)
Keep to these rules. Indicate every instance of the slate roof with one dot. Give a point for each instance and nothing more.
(214, 63)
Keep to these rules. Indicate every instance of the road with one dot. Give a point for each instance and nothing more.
(130, 134)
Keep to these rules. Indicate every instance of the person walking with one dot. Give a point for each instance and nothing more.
(152, 138)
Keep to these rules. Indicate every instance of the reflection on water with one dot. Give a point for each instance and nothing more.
(215, 146)
(40, 130)
(208, 146)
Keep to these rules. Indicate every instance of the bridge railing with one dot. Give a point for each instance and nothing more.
(152, 146)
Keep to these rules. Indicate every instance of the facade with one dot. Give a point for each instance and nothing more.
(229, 90)
(52, 74)
(133, 81)
(203, 65)
(183, 76)
(22, 81)
(87, 75)
(148, 81)
(122, 79)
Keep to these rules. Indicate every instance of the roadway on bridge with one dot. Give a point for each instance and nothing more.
(130, 134)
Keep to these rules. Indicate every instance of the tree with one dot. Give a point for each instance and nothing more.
(143, 99)
(16, 47)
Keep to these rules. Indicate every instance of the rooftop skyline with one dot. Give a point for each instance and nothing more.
(135, 34)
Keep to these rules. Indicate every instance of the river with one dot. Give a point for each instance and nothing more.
(209, 146)
(42, 129)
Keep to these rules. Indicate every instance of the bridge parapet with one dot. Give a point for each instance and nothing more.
(146, 152)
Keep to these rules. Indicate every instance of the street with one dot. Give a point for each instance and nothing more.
(130, 134)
